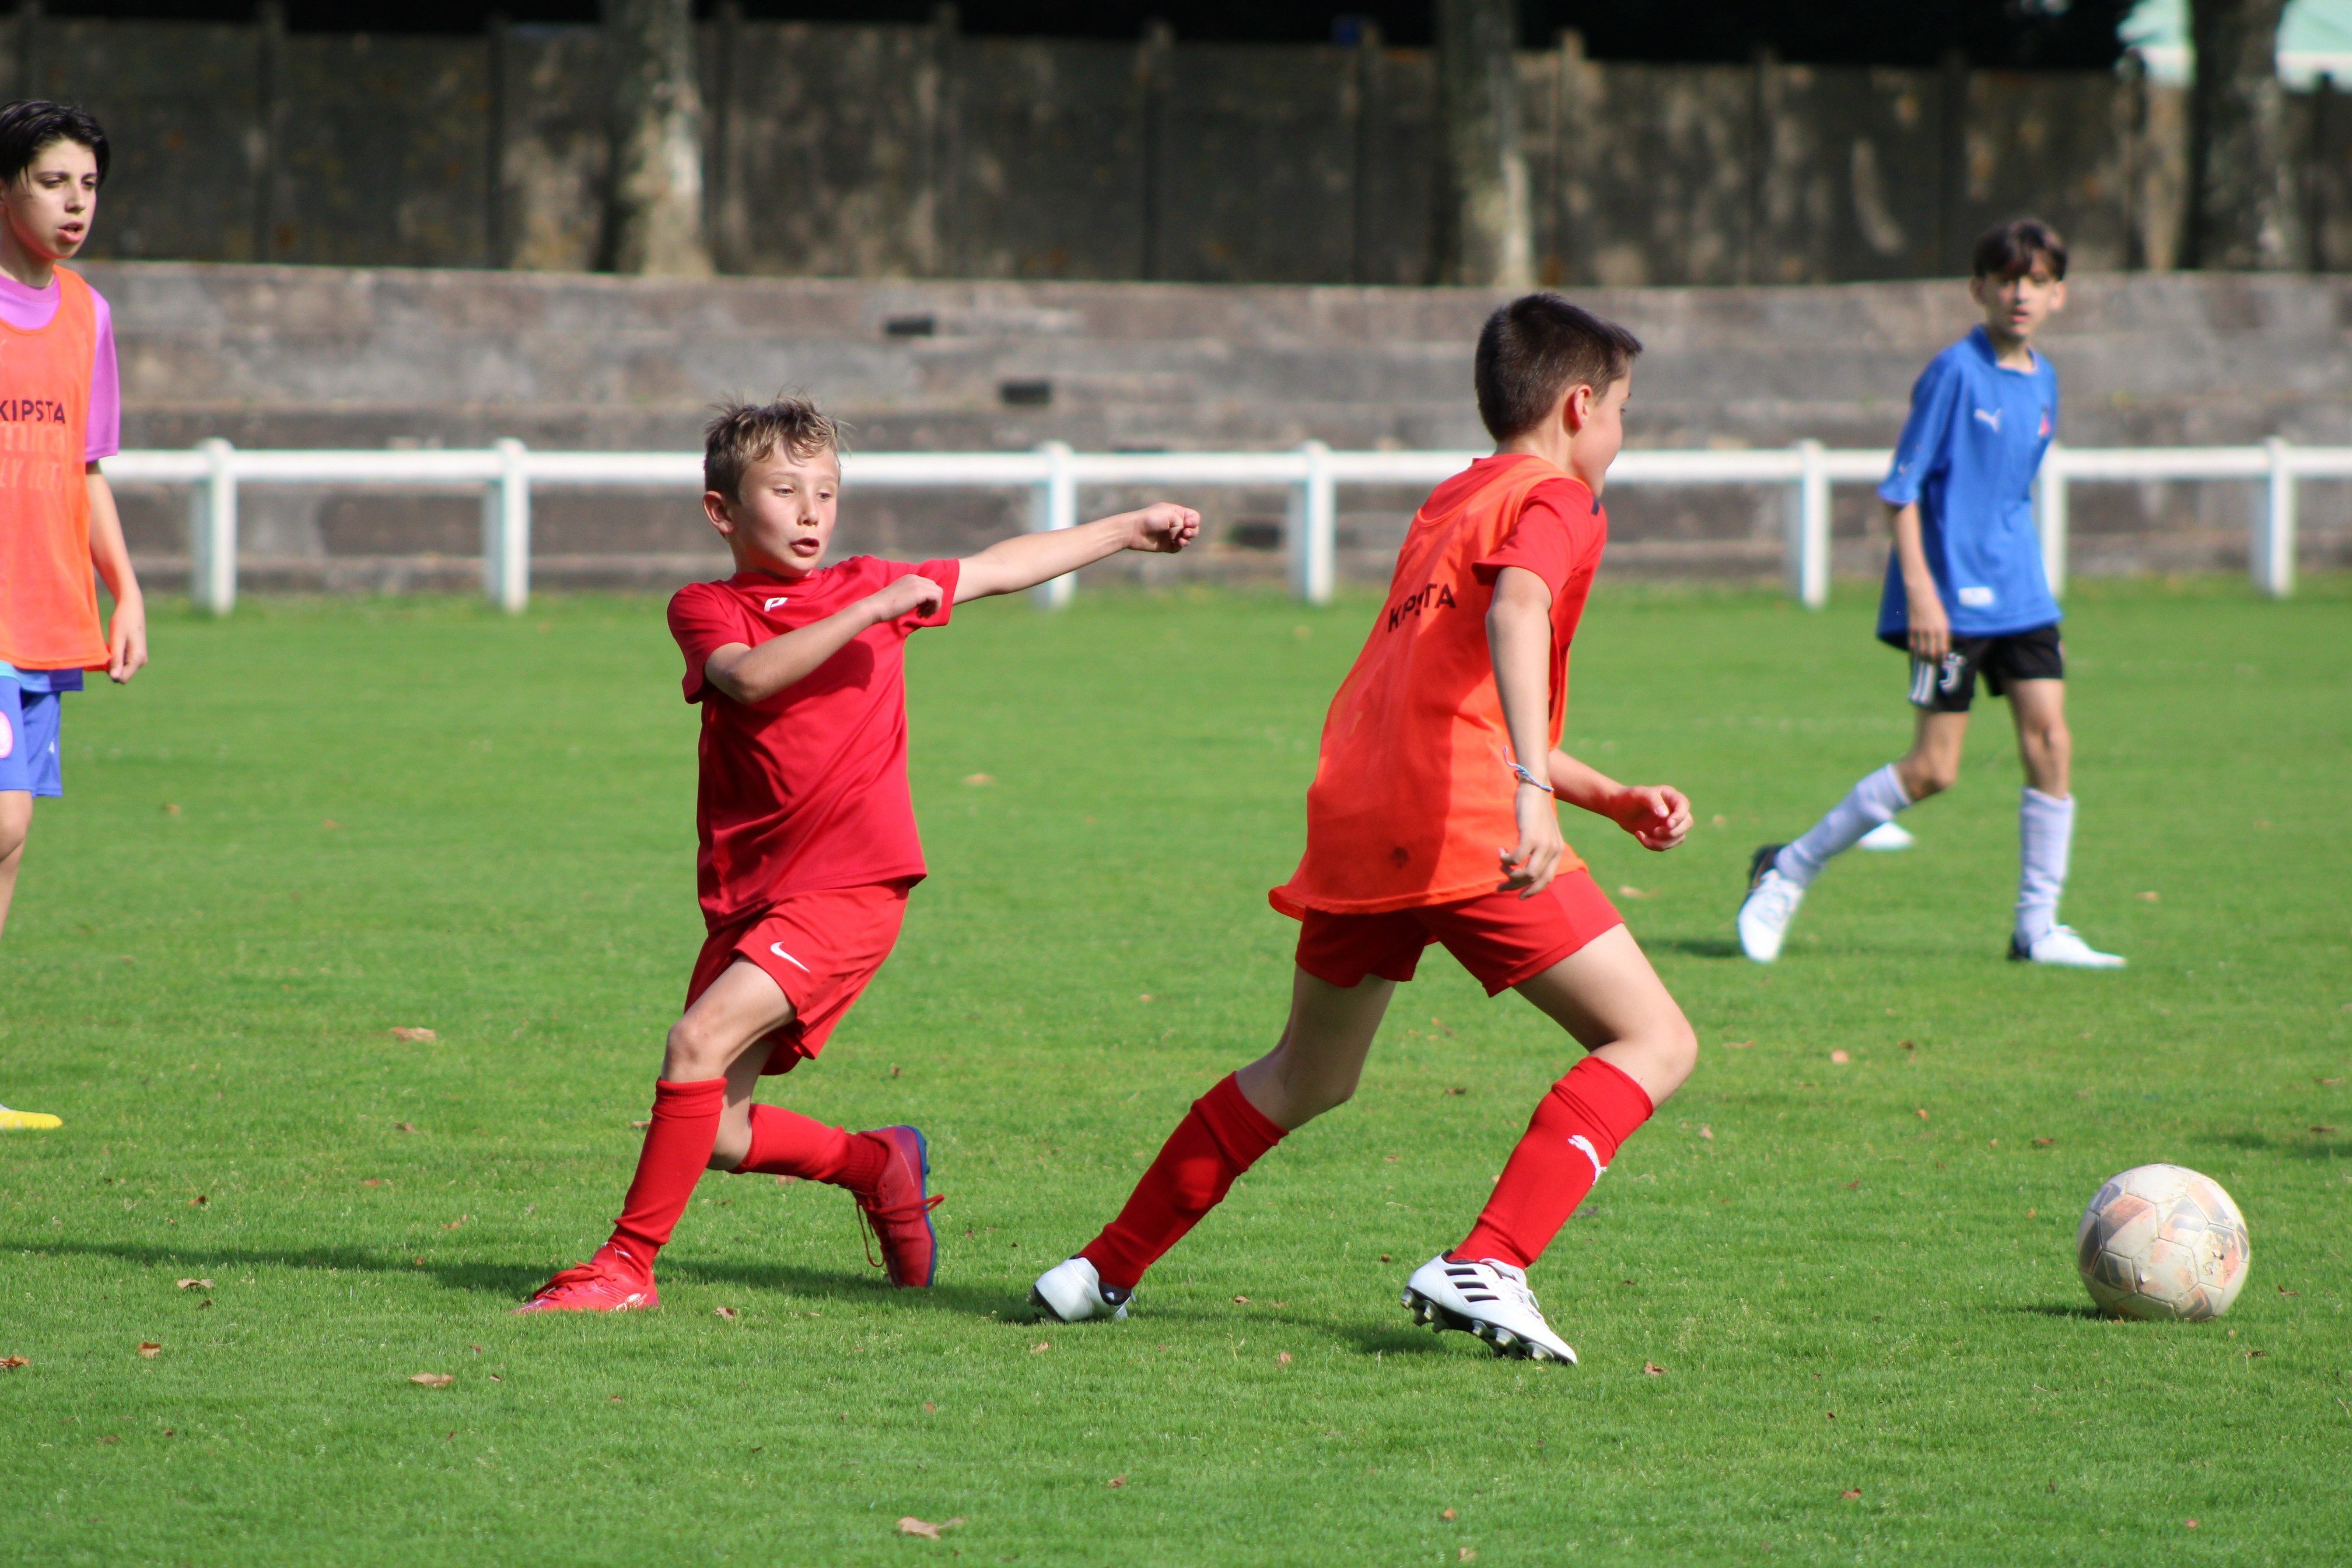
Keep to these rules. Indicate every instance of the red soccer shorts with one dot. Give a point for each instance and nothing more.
(821, 948)
(1501, 938)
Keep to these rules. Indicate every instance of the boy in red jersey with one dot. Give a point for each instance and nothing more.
(807, 829)
(1426, 825)
(60, 412)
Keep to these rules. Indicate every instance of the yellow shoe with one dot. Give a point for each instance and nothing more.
(27, 1121)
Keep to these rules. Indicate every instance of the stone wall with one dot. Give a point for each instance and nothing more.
(288, 356)
(881, 152)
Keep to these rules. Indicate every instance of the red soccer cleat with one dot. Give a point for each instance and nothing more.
(603, 1284)
(898, 1211)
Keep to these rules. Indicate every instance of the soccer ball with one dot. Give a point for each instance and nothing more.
(2161, 1241)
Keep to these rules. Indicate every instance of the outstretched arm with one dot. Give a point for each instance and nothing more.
(127, 637)
(1657, 815)
(1029, 559)
(1518, 639)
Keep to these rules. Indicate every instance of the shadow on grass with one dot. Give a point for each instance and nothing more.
(2052, 1309)
(1696, 946)
(2311, 1146)
(513, 1282)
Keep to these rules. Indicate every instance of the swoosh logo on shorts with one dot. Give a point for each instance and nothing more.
(778, 948)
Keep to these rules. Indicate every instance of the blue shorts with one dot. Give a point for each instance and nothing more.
(29, 740)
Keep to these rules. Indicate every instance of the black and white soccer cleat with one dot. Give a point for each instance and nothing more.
(1073, 1292)
(1488, 1300)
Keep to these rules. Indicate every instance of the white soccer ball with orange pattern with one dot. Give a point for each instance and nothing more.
(2162, 1241)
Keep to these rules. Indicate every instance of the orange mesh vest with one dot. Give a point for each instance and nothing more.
(48, 598)
(1412, 792)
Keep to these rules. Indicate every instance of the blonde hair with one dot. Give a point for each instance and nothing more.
(740, 433)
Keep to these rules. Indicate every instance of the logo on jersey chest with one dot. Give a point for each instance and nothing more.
(769, 608)
(1433, 596)
(1990, 417)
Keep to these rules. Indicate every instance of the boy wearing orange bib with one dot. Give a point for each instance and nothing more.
(1432, 820)
(60, 412)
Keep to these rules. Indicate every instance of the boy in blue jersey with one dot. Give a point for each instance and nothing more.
(1965, 595)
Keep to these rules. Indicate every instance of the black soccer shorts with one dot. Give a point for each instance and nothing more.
(1951, 685)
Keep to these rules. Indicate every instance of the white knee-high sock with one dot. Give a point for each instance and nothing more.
(1875, 800)
(2045, 836)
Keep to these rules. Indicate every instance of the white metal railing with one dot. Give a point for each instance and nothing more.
(1312, 473)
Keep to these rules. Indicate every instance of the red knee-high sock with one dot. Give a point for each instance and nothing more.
(1222, 1136)
(786, 1143)
(1569, 1142)
(678, 1149)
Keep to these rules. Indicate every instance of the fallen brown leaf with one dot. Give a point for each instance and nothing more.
(1627, 890)
(1839, 1059)
(929, 1407)
(730, 1313)
(1852, 1494)
(910, 1525)
(1922, 1113)
(458, 1221)
(110, 1438)
(1854, 1186)
(1115, 1482)
(1384, 1257)
(11, 1363)
(495, 1378)
(1457, 1091)
(1039, 1348)
(150, 1349)
(640, 1126)
(2147, 898)
(170, 809)
(374, 1182)
(404, 1127)
(1737, 1045)
(2284, 1292)
(432, 1379)
(1241, 1300)
(1447, 1516)
(1906, 1045)
(2190, 1523)
(2043, 1142)
(1466, 1555)
(1704, 1130)
(195, 1284)
(200, 1200)
(1652, 1369)
(2329, 1082)
(980, 781)
(2323, 1130)
(331, 823)
(1829, 1414)
(419, 1035)
(1283, 1360)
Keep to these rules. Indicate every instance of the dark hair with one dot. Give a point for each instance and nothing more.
(1536, 347)
(741, 434)
(31, 125)
(2011, 249)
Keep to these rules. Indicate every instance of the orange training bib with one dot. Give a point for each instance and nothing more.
(1412, 792)
(48, 597)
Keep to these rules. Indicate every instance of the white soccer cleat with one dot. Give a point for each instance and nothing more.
(1486, 1301)
(1073, 1292)
(1770, 905)
(1886, 835)
(2063, 947)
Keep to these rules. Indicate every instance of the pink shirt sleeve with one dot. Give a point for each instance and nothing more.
(103, 438)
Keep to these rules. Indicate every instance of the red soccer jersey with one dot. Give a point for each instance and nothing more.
(807, 790)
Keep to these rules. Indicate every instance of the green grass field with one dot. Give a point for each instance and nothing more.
(314, 823)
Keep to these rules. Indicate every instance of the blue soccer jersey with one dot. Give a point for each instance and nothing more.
(1968, 455)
